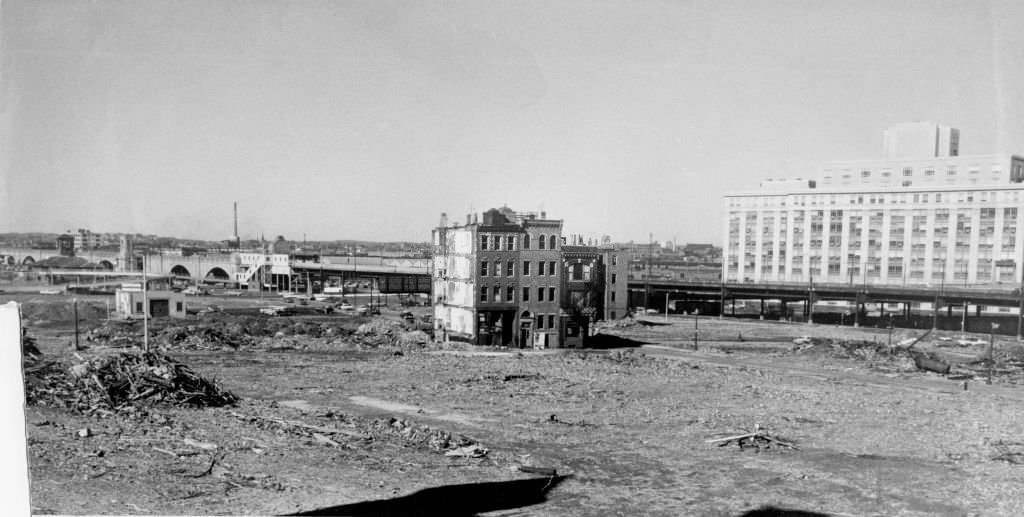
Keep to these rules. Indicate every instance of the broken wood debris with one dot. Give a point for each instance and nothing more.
(469, 451)
(117, 382)
(544, 471)
(301, 425)
(758, 439)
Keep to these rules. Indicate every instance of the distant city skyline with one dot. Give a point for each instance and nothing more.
(367, 120)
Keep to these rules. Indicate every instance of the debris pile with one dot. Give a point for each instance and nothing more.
(118, 382)
(759, 440)
(116, 334)
(1010, 452)
(340, 427)
(204, 338)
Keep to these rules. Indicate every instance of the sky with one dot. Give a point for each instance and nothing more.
(366, 120)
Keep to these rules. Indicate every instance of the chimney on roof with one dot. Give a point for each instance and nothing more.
(469, 219)
(444, 219)
(543, 215)
(475, 220)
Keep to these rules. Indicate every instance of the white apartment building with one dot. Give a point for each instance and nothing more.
(921, 216)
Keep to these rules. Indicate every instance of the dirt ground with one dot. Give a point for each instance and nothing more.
(350, 415)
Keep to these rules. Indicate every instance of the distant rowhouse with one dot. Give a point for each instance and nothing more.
(511, 280)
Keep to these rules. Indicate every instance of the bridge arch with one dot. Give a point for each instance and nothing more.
(106, 264)
(28, 260)
(217, 273)
(180, 270)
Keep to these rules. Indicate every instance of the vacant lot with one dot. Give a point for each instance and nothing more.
(358, 416)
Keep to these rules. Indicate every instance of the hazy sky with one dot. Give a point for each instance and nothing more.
(366, 120)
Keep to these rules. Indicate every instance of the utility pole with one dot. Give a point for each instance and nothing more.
(647, 276)
(666, 306)
(963, 322)
(991, 346)
(696, 323)
(1020, 308)
(145, 307)
(74, 303)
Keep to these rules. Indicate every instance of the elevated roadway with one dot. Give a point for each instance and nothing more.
(789, 292)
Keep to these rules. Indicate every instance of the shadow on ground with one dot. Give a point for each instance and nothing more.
(605, 341)
(771, 511)
(453, 500)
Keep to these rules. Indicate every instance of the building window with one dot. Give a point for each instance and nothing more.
(553, 241)
(510, 268)
(526, 268)
(551, 268)
(483, 242)
(540, 242)
(510, 243)
(497, 268)
(615, 260)
(496, 292)
(540, 321)
(526, 241)
(526, 294)
(613, 281)
(138, 306)
(178, 306)
(540, 267)
(510, 294)
(551, 294)
(551, 321)
(483, 293)
(612, 313)
(613, 299)
(908, 172)
(577, 271)
(540, 294)
(497, 242)
(483, 268)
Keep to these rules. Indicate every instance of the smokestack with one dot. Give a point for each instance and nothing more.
(469, 219)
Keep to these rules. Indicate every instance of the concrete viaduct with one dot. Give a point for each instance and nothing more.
(221, 266)
(397, 275)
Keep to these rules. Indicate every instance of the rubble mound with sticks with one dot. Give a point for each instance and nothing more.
(193, 337)
(758, 440)
(122, 381)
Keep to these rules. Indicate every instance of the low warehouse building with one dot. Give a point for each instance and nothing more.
(131, 304)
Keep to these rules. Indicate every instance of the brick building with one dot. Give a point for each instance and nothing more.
(501, 280)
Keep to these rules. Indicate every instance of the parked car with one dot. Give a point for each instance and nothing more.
(364, 310)
(345, 306)
(276, 310)
(407, 316)
(325, 309)
(194, 291)
(211, 309)
(51, 291)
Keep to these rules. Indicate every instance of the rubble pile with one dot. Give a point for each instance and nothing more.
(119, 334)
(119, 382)
(417, 435)
(758, 440)
(387, 333)
(336, 426)
(204, 338)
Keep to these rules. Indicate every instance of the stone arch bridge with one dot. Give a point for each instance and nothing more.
(222, 267)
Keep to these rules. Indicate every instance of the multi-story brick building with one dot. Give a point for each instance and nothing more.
(923, 215)
(500, 281)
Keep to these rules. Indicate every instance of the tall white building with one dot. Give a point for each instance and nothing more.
(921, 216)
